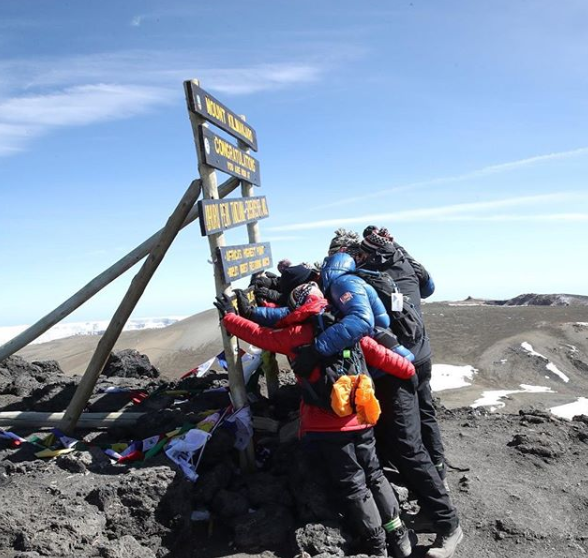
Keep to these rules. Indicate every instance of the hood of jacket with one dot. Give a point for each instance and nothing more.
(312, 306)
(334, 266)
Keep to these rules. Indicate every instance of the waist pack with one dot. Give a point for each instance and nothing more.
(406, 322)
(344, 385)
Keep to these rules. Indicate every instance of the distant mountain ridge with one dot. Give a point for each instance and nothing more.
(91, 327)
(532, 299)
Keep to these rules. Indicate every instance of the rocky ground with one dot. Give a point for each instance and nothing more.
(518, 480)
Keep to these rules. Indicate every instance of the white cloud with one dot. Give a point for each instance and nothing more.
(37, 96)
(433, 213)
(25, 118)
(479, 173)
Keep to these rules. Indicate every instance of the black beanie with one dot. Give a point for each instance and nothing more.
(292, 277)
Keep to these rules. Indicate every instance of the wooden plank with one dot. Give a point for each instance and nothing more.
(86, 420)
(219, 215)
(99, 282)
(203, 103)
(126, 307)
(224, 156)
(244, 259)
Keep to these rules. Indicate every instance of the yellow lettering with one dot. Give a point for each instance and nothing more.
(212, 217)
(215, 110)
(225, 216)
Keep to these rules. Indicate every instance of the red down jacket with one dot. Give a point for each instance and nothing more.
(296, 330)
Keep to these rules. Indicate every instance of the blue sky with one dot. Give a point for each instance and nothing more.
(459, 126)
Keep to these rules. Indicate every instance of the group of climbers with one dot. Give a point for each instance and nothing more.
(335, 329)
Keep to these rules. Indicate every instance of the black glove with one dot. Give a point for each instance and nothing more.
(264, 293)
(262, 281)
(271, 275)
(305, 361)
(243, 304)
(224, 305)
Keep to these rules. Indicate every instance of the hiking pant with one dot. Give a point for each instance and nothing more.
(430, 431)
(356, 474)
(400, 441)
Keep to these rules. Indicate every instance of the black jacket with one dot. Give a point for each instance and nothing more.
(412, 280)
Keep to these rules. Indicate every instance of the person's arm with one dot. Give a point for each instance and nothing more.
(275, 340)
(350, 299)
(384, 359)
(268, 316)
(426, 284)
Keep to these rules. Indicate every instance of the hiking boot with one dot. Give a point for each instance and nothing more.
(445, 545)
(400, 542)
(375, 545)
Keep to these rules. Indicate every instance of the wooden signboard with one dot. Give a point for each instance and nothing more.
(214, 111)
(244, 259)
(219, 215)
(224, 156)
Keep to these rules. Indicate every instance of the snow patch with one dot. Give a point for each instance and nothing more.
(570, 410)
(492, 398)
(448, 376)
(550, 366)
(60, 331)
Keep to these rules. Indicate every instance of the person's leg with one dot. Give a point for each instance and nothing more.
(349, 480)
(399, 438)
(430, 432)
(400, 540)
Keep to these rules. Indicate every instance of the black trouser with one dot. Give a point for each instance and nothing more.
(400, 441)
(430, 431)
(356, 473)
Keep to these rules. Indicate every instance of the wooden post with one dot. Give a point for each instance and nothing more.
(99, 282)
(35, 419)
(270, 366)
(126, 307)
(216, 240)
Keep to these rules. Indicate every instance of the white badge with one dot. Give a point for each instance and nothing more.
(397, 302)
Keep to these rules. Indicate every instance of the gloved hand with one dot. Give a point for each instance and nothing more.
(244, 306)
(224, 305)
(307, 357)
(262, 281)
(403, 351)
(267, 294)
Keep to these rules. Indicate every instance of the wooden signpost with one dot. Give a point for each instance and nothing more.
(230, 262)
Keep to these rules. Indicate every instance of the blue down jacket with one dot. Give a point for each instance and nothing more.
(356, 305)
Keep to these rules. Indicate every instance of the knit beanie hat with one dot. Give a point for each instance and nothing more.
(299, 295)
(293, 276)
(375, 241)
(343, 239)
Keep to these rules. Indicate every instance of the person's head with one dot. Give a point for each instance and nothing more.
(283, 264)
(301, 293)
(344, 241)
(375, 241)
